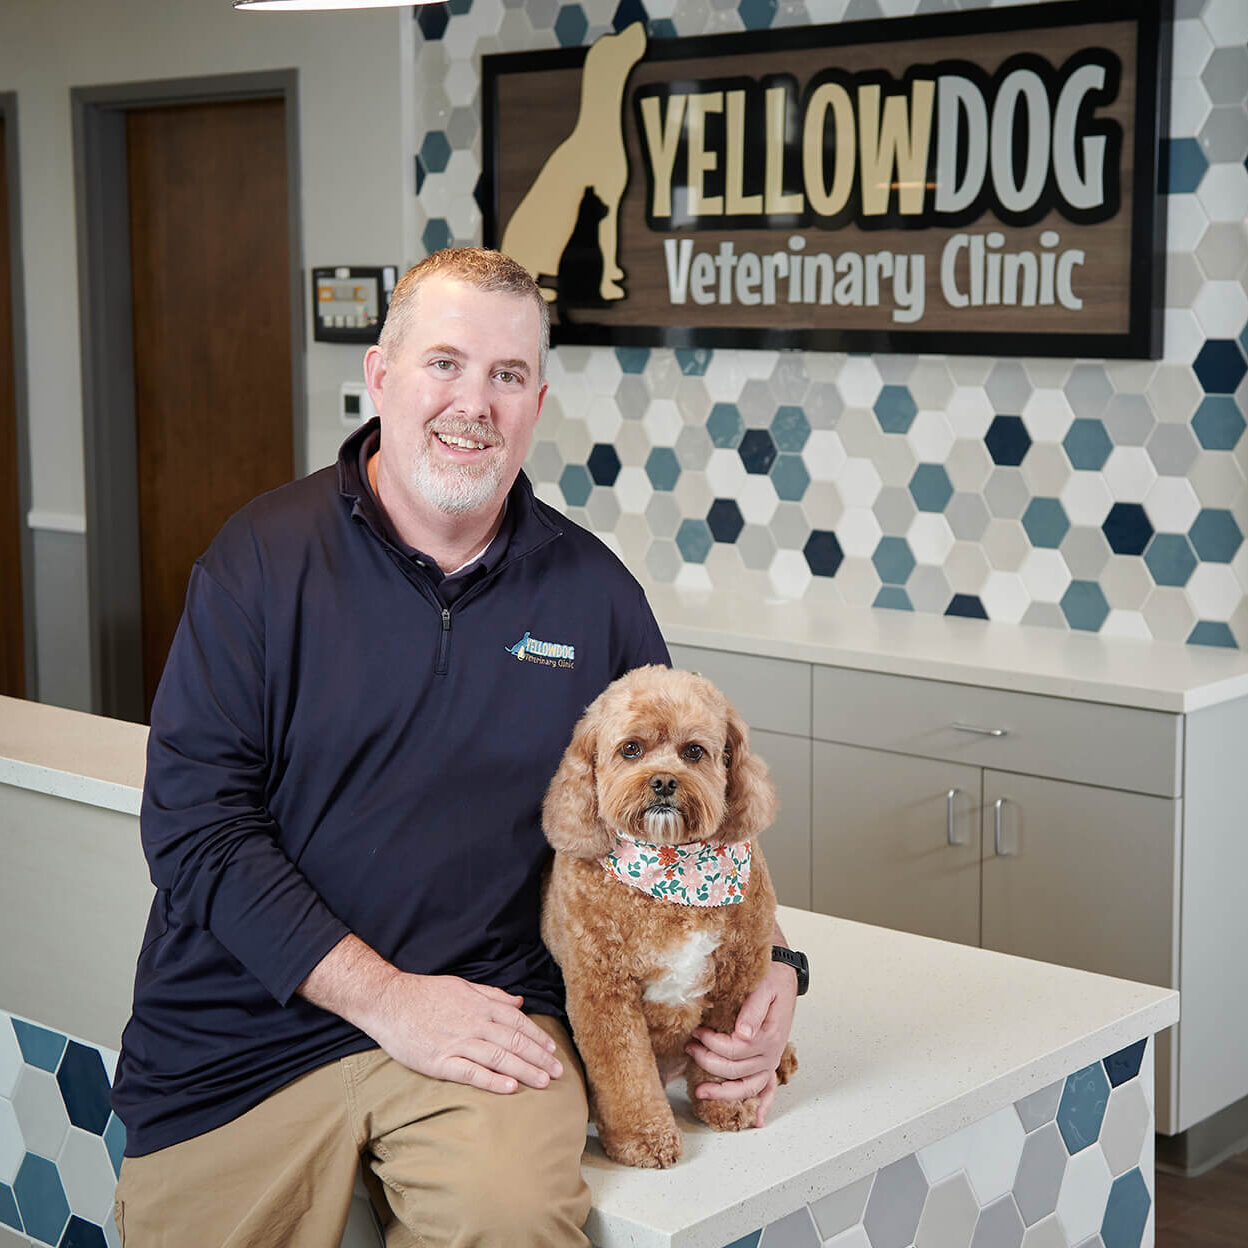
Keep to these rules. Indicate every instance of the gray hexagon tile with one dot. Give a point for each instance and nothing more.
(841, 1210)
(1046, 1234)
(1040, 1170)
(999, 1226)
(949, 1216)
(795, 1231)
(896, 1204)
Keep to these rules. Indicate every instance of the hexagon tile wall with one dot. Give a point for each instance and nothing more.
(60, 1144)
(1078, 494)
(1070, 1166)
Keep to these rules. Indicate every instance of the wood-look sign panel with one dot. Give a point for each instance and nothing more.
(972, 182)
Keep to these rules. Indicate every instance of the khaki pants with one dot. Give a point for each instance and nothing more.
(457, 1166)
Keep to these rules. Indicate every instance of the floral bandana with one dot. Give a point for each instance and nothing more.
(701, 873)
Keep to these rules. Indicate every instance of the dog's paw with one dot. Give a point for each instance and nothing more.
(727, 1115)
(654, 1147)
(788, 1064)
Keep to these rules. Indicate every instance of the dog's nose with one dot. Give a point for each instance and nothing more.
(663, 786)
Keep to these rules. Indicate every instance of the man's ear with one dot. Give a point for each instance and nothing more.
(375, 374)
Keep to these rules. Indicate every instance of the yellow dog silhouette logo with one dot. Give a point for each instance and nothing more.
(582, 180)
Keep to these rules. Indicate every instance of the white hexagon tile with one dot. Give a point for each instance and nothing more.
(787, 473)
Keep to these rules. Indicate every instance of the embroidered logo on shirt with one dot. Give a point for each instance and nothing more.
(549, 653)
(701, 873)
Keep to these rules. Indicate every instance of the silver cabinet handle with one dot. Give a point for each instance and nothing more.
(982, 732)
(997, 808)
(950, 797)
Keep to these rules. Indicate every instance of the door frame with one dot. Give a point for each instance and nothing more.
(11, 174)
(114, 591)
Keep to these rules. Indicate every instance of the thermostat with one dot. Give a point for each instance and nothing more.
(349, 303)
(355, 407)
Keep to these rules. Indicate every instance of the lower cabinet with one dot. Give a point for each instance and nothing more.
(786, 844)
(898, 841)
(1079, 875)
(1045, 869)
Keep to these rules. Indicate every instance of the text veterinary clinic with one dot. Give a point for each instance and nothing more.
(954, 144)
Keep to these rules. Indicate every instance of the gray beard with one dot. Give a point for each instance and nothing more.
(456, 490)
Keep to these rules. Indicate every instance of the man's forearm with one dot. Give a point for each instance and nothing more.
(352, 981)
(439, 1025)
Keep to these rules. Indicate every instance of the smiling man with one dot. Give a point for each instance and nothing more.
(375, 676)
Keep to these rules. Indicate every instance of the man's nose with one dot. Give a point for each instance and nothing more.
(472, 395)
(663, 786)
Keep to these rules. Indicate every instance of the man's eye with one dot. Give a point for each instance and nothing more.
(443, 365)
(631, 749)
(692, 753)
(508, 378)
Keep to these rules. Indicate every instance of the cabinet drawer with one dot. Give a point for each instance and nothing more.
(771, 694)
(1113, 746)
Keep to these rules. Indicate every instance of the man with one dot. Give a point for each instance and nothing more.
(342, 818)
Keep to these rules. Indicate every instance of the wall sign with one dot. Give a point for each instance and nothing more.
(976, 183)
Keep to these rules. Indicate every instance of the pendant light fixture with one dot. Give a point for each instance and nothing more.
(306, 6)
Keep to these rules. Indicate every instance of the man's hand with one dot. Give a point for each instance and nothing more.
(747, 1058)
(446, 1027)
(438, 1025)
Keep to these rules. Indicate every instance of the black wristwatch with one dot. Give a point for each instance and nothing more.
(797, 960)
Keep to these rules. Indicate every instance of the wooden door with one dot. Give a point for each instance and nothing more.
(881, 836)
(209, 247)
(12, 647)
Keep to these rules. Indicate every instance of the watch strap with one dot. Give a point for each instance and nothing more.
(798, 961)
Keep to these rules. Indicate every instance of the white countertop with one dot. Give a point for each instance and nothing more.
(69, 754)
(900, 1042)
(1154, 675)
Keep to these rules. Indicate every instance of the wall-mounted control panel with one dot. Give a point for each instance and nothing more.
(349, 303)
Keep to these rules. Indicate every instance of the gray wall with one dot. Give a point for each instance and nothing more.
(356, 200)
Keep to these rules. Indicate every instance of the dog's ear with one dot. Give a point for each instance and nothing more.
(751, 795)
(570, 808)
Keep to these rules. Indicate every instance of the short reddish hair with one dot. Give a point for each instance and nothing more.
(487, 270)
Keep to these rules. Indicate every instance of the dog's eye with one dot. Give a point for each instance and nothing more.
(692, 753)
(631, 749)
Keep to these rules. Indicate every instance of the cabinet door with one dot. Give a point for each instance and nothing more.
(1085, 877)
(786, 844)
(881, 829)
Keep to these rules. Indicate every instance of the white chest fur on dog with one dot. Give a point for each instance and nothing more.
(683, 972)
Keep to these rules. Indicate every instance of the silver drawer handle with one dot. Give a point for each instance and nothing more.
(983, 732)
(997, 808)
(950, 797)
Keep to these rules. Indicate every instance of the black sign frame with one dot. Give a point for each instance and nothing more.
(1146, 300)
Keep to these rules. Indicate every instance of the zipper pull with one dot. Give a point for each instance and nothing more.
(446, 619)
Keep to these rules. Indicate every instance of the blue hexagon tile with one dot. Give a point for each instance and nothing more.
(1114, 485)
(60, 1144)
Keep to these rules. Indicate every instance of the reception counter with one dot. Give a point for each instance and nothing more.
(941, 1088)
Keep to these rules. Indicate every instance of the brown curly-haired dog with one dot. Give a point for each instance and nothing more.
(663, 759)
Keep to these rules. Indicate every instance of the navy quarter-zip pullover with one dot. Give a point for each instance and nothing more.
(337, 747)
